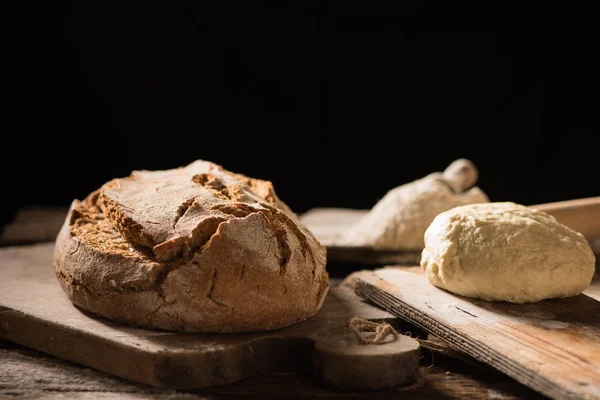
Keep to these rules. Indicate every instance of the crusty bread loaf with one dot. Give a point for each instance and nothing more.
(196, 248)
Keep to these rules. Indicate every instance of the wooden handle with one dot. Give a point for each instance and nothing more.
(581, 215)
(342, 362)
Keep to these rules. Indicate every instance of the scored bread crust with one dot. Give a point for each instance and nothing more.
(196, 249)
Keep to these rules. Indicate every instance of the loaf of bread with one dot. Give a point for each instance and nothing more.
(196, 249)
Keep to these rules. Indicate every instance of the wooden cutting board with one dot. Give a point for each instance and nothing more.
(552, 346)
(328, 223)
(36, 313)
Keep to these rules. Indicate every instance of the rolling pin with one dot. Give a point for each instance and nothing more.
(581, 215)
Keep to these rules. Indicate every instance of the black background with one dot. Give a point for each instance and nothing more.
(334, 102)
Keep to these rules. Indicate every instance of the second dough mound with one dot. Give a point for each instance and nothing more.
(506, 251)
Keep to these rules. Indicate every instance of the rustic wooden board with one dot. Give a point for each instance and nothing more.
(552, 346)
(36, 313)
(32, 225)
(327, 224)
(593, 290)
(29, 374)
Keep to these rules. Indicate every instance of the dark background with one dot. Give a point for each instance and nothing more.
(335, 103)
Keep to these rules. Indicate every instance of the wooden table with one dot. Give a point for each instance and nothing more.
(29, 374)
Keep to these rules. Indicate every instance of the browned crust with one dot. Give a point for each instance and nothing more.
(252, 267)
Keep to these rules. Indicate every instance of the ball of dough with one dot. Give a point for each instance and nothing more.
(507, 252)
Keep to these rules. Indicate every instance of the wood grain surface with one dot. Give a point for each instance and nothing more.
(328, 223)
(551, 346)
(582, 215)
(29, 374)
(33, 225)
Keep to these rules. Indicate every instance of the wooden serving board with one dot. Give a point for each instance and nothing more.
(552, 346)
(328, 223)
(36, 313)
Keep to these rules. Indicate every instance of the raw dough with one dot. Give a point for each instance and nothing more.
(399, 220)
(506, 251)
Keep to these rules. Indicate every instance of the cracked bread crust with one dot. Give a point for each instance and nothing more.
(195, 249)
